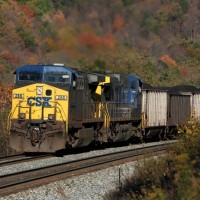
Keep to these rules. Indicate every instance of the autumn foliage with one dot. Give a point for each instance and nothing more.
(91, 40)
(5, 97)
(5, 106)
(168, 61)
(28, 10)
(78, 33)
(118, 23)
(8, 56)
(184, 72)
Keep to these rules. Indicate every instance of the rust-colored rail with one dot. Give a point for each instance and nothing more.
(9, 160)
(11, 157)
(31, 178)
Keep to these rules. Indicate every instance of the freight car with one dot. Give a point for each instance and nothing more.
(163, 109)
(55, 106)
(183, 104)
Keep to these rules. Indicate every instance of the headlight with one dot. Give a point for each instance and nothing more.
(22, 115)
(51, 116)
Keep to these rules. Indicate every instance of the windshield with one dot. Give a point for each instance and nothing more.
(30, 76)
(57, 78)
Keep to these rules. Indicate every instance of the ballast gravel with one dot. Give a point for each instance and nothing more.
(91, 186)
(88, 186)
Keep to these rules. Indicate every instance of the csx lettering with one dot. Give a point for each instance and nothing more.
(38, 101)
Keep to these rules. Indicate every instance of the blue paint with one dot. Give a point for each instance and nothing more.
(133, 86)
(43, 69)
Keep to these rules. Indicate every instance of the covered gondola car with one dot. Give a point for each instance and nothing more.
(183, 104)
(179, 108)
(154, 111)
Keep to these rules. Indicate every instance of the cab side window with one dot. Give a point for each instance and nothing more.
(134, 85)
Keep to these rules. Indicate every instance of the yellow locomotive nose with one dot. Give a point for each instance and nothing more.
(38, 117)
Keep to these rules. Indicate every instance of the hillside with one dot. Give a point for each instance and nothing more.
(158, 40)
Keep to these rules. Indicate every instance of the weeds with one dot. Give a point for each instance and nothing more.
(5, 105)
(176, 176)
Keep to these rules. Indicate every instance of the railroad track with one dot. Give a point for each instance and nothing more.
(12, 157)
(20, 158)
(35, 177)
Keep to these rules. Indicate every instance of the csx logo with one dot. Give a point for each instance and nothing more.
(39, 101)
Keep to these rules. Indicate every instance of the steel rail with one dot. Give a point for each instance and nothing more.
(9, 160)
(3, 158)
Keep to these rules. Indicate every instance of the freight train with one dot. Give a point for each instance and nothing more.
(55, 107)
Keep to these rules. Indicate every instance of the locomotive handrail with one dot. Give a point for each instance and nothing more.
(110, 110)
(10, 115)
(107, 116)
(120, 110)
(59, 109)
(9, 121)
(64, 120)
(61, 113)
(19, 106)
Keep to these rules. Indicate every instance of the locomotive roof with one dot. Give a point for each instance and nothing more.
(121, 76)
(40, 68)
(93, 77)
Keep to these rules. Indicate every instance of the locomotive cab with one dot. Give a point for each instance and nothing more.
(40, 106)
(127, 92)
